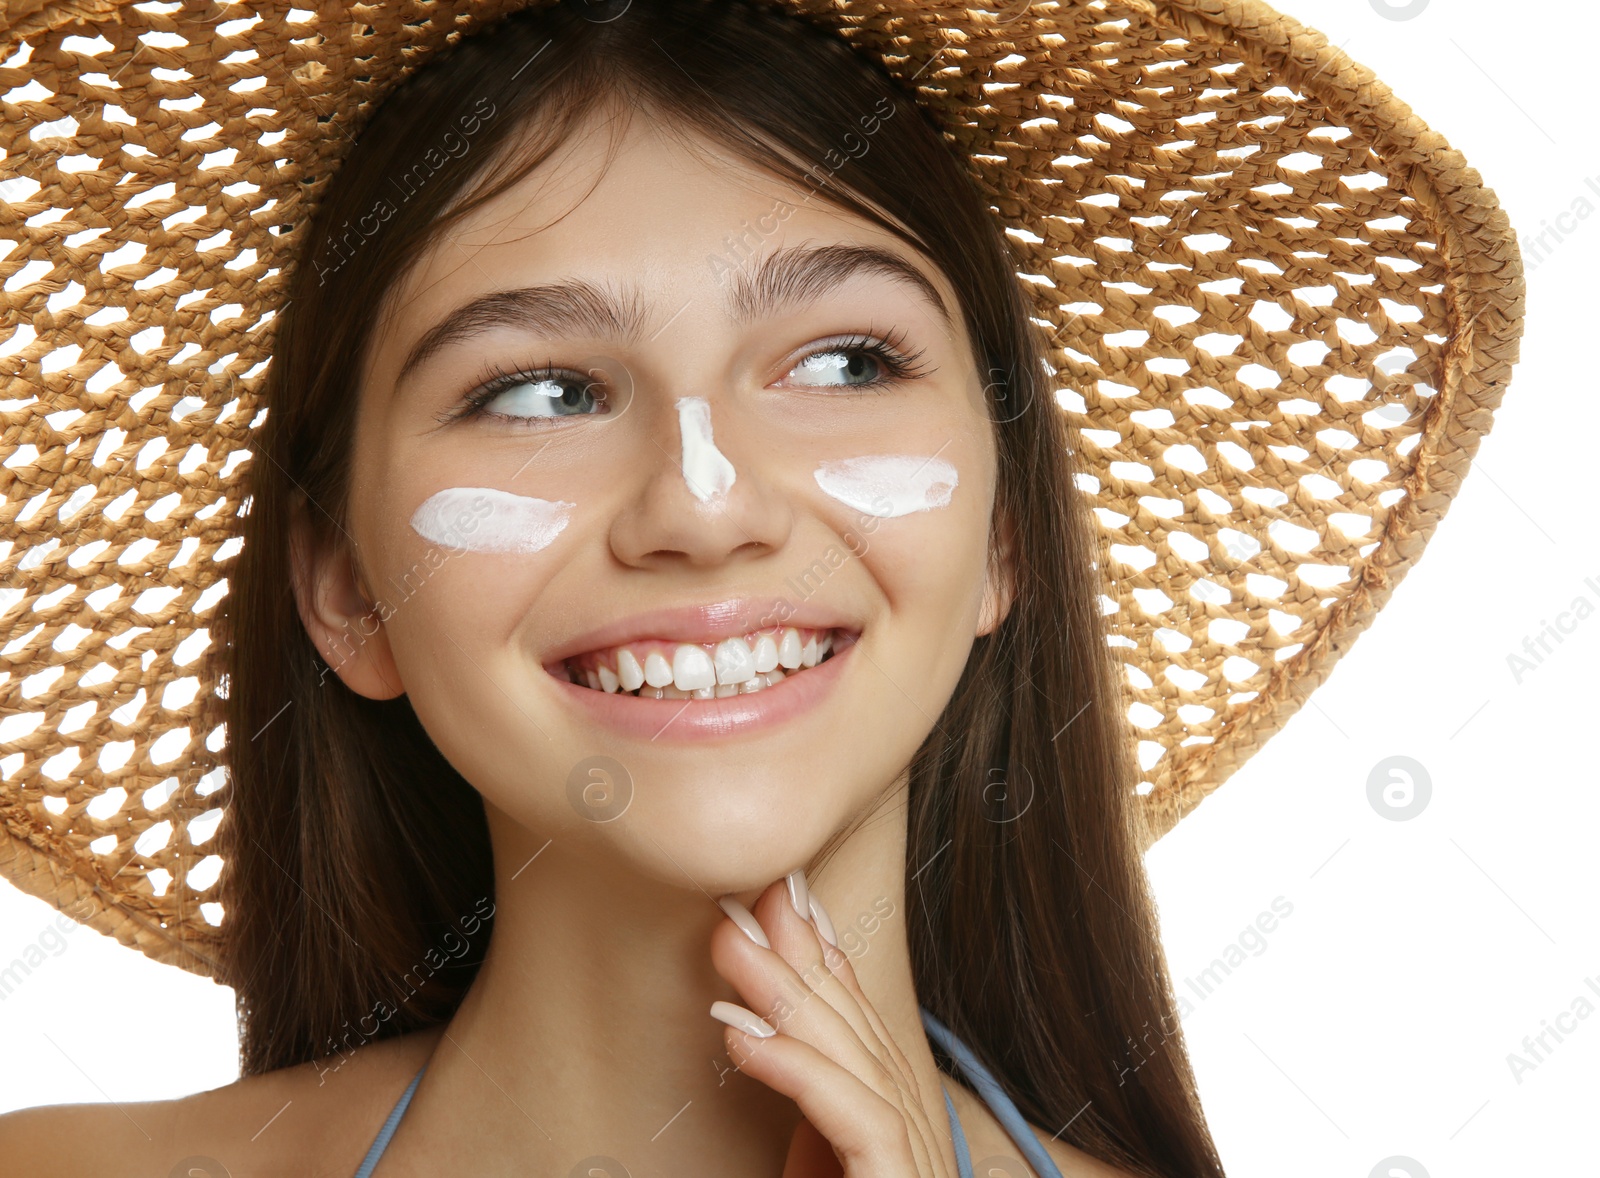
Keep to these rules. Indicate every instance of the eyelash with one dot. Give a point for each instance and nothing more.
(889, 352)
(496, 380)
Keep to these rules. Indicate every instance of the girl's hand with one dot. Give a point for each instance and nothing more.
(811, 1034)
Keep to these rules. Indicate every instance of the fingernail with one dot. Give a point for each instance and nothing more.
(819, 916)
(742, 916)
(741, 1019)
(799, 894)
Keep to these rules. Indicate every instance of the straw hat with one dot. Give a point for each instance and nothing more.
(1284, 310)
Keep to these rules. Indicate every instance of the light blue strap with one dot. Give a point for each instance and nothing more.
(963, 1154)
(381, 1141)
(1001, 1105)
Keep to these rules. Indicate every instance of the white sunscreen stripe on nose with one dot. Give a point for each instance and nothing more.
(707, 471)
(483, 519)
(889, 485)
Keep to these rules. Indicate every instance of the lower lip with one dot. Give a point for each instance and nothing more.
(688, 720)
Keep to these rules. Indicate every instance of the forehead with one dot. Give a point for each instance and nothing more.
(659, 218)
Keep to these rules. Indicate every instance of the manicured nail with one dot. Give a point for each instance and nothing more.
(819, 916)
(742, 916)
(741, 1019)
(799, 894)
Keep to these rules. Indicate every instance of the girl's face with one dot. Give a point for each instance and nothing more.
(672, 420)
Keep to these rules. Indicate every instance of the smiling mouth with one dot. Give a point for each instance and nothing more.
(659, 669)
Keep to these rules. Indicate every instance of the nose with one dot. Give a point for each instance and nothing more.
(703, 498)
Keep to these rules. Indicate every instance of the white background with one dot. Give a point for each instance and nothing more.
(1378, 1020)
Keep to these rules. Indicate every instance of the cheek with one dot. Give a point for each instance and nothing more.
(889, 486)
(488, 520)
(929, 566)
(459, 567)
(923, 529)
(456, 636)
(460, 570)
(921, 520)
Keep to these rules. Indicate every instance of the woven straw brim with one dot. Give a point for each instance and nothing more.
(1281, 310)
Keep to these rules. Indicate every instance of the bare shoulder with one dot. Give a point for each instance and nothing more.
(315, 1120)
(1074, 1163)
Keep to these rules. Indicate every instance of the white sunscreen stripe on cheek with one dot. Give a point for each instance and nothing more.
(483, 519)
(705, 468)
(889, 485)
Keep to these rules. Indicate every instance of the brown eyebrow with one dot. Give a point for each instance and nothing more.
(573, 307)
(795, 274)
(801, 274)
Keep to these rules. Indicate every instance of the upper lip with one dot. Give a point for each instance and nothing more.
(712, 622)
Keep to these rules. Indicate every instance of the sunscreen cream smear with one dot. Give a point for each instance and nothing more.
(889, 485)
(483, 519)
(707, 471)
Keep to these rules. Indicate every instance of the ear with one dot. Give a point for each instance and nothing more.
(1000, 581)
(344, 626)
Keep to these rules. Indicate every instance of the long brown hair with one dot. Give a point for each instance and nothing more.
(359, 881)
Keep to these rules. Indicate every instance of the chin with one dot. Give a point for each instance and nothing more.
(732, 823)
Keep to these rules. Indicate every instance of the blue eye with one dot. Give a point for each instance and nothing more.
(546, 398)
(859, 362)
(521, 396)
(817, 368)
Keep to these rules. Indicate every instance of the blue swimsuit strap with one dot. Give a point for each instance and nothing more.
(1001, 1105)
(989, 1090)
(381, 1141)
(963, 1154)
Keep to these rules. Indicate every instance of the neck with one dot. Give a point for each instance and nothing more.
(586, 1032)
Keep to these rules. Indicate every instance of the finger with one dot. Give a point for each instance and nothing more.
(867, 1133)
(840, 966)
(769, 985)
(797, 941)
(805, 945)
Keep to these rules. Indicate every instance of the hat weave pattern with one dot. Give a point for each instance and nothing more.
(1280, 312)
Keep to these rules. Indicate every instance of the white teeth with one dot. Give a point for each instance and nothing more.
(734, 661)
(629, 673)
(766, 654)
(735, 666)
(789, 649)
(692, 669)
(657, 671)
